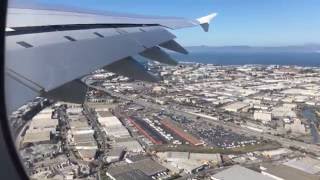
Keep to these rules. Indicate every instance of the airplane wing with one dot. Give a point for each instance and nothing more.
(48, 51)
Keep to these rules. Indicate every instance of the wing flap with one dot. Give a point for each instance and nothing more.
(148, 36)
(156, 54)
(174, 46)
(129, 67)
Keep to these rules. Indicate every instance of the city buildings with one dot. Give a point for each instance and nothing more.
(81, 134)
(42, 128)
(201, 121)
(240, 173)
(112, 125)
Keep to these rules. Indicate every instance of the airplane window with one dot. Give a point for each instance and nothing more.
(161, 90)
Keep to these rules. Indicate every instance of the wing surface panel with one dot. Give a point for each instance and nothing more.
(48, 51)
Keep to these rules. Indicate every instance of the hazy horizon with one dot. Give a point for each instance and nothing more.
(253, 23)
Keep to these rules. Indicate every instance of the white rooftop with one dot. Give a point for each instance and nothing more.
(240, 173)
(306, 164)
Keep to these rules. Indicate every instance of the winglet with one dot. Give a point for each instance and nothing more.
(204, 21)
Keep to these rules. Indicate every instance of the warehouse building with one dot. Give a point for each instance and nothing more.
(296, 127)
(111, 125)
(306, 164)
(148, 167)
(189, 162)
(80, 127)
(41, 129)
(87, 154)
(130, 145)
(133, 175)
(283, 111)
(116, 131)
(115, 154)
(282, 172)
(84, 141)
(265, 117)
(136, 157)
(240, 173)
(81, 136)
(123, 173)
(37, 137)
(236, 107)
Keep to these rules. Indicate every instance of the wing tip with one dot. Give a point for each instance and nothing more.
(205, 21)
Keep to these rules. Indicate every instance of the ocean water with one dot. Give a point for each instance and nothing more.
(242, 58)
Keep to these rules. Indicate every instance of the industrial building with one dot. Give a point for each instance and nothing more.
(123, 173)
(148, 167)
(132, 174)
(111, 125)
(84, 141)
(37, 137)
(41, 128)
(115, 154)
(240, 173)
(296, 127)
(282, 172)
(136, 157)
(81, 136)
(187, 161)
(306, 164)
(283, 111)
(116, 131)
(87, 154)
(236, 107)
(80, 127)
(130, 145)
(100, 106)
(265, 117)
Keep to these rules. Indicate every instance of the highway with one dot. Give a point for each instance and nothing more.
(309, 148)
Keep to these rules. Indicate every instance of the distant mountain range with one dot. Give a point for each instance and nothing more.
(253, 49)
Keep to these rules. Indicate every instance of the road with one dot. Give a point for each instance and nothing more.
(64, 122)
(64, 125)
(310, 148)
(100, 137)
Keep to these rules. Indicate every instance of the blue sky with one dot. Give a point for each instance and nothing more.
(240, 22)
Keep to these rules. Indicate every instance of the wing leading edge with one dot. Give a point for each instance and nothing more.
(48, 51)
